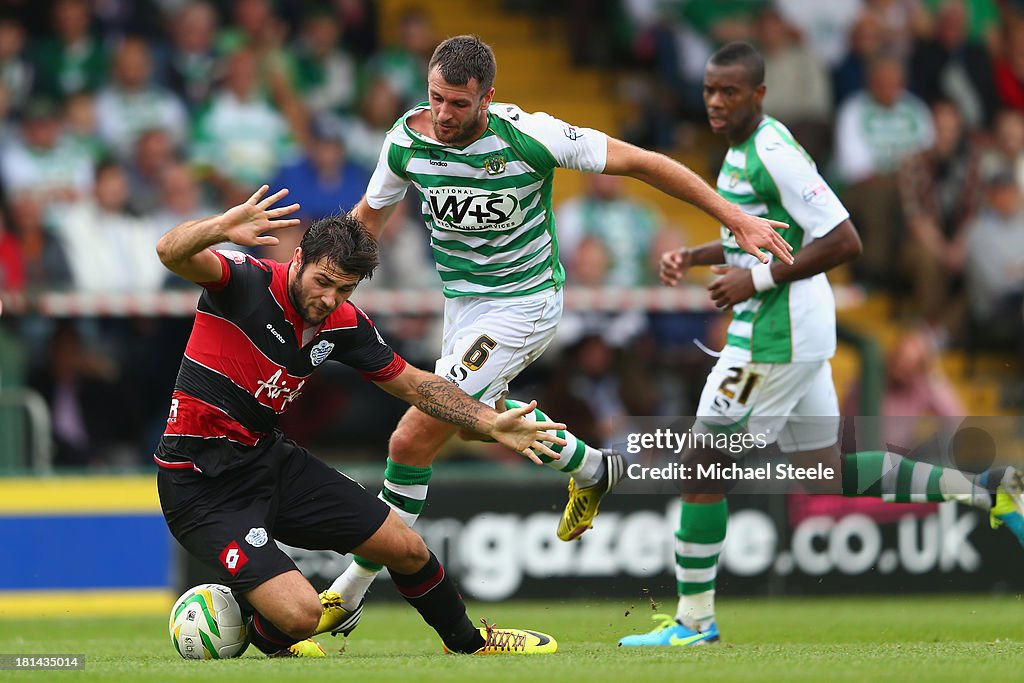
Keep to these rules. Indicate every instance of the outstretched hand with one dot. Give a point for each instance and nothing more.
(754, 233)
(673, 265)
(243, 224)
(527, 437)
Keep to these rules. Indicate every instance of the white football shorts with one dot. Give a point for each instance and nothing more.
(792, 403)
(488, 342)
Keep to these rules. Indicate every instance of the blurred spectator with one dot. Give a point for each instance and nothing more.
(902, 22)
(327, 76)
(131, 104)
(589, 266)
(982, 19)
(91, 416)
(116, 19)
(1009, 68)
(43, 163)
(825, 26)
(358, 20)
(624, 227)
(576, 373)
(16, 72)
(12, 263)
(594, 378)
(74, 59)
(875, 130)
(1006, 154)
(601, 366)
(323, 181)
(589, 262)
(404, 66)
(798, 88)
(850, 76)
(110, 249)
(45, 263)
(82, 127)
(241, 139)
(256, 27)
(724, 21)
(364, 136)
(941, 191)
(995, 263)
(181, 198)
(193, 65)
(915, 386)
(948, 66)
(154, 152)
(667, 85)
(676, 53)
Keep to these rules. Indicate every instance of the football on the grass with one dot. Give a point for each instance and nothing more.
(207, 623)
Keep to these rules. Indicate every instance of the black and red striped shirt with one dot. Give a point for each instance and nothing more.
(248, 358)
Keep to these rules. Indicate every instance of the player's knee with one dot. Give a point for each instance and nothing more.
(409, 448)
(400, 443)
(417, 552)
(301, 618)
(308, 618)
(411, 556)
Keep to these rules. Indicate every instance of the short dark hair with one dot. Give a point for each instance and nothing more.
(464, 57)
(345, 242)
(743, 54)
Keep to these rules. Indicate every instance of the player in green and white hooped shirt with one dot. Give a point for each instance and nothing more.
(483, 172)
(773, 377)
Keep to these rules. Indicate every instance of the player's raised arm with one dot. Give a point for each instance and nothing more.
(441, 399)
(373, 219)
(673, 178)
(183, 249)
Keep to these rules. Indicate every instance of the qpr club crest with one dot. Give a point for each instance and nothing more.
(495, 164)
(257, 537)
(318, 354)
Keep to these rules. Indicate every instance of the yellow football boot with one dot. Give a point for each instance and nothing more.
(583, 504)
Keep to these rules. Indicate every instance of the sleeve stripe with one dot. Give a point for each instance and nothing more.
(388, 372)
(225, 274)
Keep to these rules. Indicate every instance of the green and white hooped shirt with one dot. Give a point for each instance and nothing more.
(769, 174)
(488, 204)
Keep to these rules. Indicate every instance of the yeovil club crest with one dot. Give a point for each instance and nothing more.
(495, 164)
(318, 354)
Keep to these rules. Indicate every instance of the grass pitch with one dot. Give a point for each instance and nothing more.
(852, 639)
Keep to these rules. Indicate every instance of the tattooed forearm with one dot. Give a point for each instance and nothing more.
(443, 400)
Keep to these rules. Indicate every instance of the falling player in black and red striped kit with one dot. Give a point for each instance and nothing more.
(230, 484)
